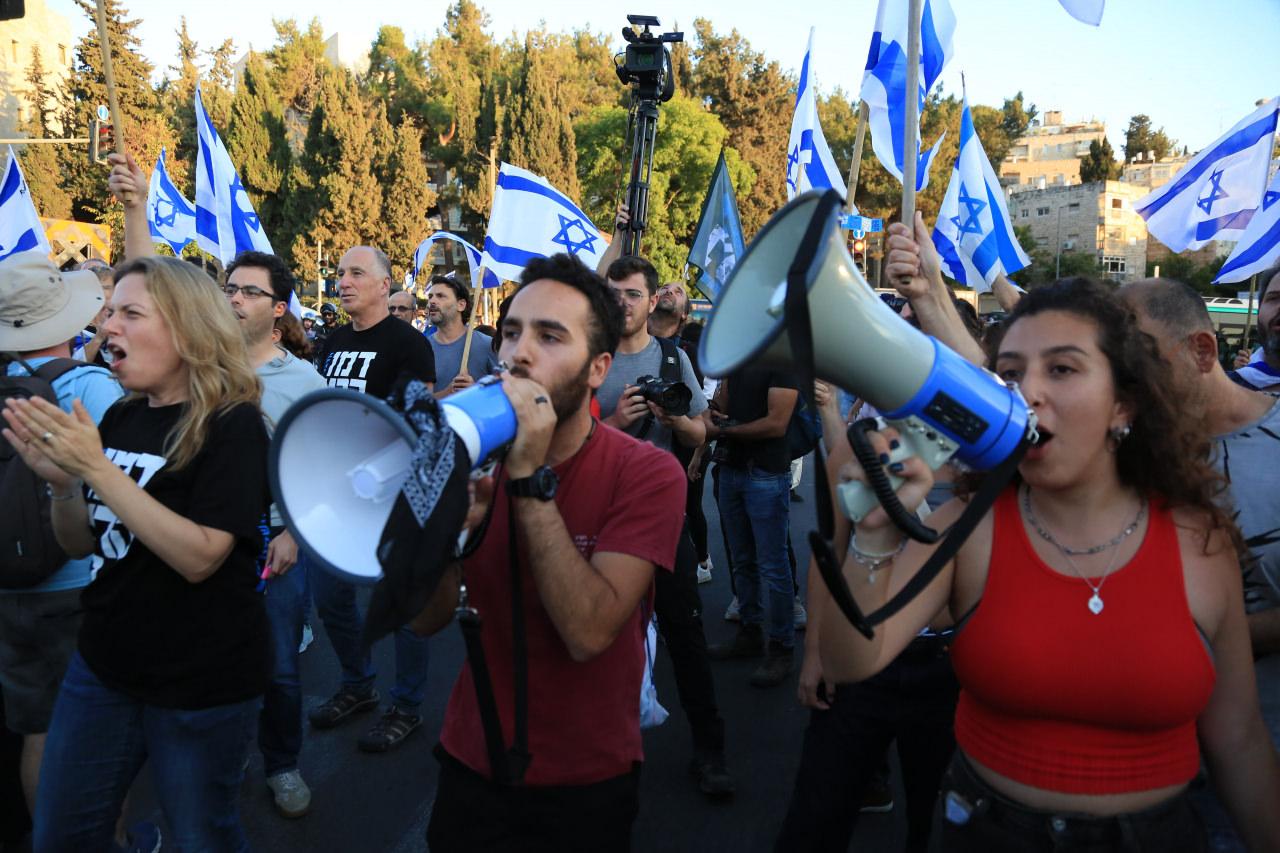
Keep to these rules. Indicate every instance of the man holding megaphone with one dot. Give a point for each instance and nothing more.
(575, 522)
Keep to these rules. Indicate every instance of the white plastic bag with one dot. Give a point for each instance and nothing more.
(651, 711)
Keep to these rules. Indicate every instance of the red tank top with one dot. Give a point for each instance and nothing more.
(1055, 697)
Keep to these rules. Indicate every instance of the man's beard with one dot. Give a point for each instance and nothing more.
(566, 396)
(670, 311)
(1271, 342)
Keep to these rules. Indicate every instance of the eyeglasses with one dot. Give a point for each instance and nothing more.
(248, 291)
(401, 309)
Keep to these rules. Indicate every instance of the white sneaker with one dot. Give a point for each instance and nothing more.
(704, 571)
(308, 636)
(292, 796)
(799, 615)
(731, 612)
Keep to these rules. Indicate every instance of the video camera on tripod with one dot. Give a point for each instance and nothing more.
(645, 66)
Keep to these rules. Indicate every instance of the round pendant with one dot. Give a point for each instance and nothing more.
(1095, 604)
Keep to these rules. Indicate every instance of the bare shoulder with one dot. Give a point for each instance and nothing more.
(972, 560)
(1210, 566)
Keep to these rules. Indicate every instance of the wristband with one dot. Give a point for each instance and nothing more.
(48, 490)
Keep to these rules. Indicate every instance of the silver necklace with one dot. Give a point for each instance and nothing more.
(1095, 603)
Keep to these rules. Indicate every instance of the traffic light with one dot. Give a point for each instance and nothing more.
(860, 253)
(102, 140)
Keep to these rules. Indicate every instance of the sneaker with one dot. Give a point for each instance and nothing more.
(143, 837)
(877, 798)
(308, 636)
(292, 796)
(704, 571)
(747, 643)
(800, 617)
(775, 667)
(345, 703)
(708, 769)
(731, 612)
(395, 726)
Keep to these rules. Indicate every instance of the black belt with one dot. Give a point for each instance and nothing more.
(966, 796)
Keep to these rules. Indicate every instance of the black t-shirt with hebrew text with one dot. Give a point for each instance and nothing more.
(370, 361)
(147, 631)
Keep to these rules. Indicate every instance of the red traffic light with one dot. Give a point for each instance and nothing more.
(102, 140)
(859, 245)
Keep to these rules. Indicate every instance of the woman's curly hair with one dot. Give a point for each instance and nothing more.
(1167, 452)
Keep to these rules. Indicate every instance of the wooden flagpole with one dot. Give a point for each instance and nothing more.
(911, 136)
(1248, 315)
(855, 166)
(113, 103)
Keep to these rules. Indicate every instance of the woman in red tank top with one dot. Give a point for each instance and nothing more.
(1103, 641)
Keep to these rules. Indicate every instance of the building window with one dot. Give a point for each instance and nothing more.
(13, 49)
(1117, 204)
(1025, 213)
(1114, 265)
(62, 54)
(1075, 205)
(1042, 211)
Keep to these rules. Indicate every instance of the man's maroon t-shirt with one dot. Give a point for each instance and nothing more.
(616, 495)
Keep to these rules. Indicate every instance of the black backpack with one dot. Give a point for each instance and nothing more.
(29, 553)
(804, 430)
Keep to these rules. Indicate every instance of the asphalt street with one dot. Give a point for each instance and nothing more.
(382, 803)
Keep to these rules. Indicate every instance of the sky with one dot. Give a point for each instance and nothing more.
(1194, 66)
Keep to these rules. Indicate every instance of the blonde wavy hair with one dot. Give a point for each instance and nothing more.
(208, 340)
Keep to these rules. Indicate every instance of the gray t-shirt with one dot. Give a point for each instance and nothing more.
(628, 367)
(481, 361)
(285, 378)
(1250, 459)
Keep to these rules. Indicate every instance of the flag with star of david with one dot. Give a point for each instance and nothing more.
(973, 233)
(884, 83)
(1216, 194)
(810, 165)
(20, 227)
(225, 220)
(1259, 246)
(532, 219)
(171, 218)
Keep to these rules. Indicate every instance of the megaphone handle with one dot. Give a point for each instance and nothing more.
(866, 455)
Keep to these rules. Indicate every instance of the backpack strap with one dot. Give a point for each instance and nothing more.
(54, 368)
(670, 369)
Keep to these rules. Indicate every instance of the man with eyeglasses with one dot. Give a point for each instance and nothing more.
(259, 287)
(401, 304)
(370, 354)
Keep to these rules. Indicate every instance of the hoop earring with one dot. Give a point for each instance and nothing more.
(1116, 435)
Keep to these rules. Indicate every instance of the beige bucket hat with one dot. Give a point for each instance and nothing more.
(41, 306)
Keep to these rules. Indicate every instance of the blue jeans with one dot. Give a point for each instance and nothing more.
(280, 723)
(97, 743)
(755, 507)
(336, 603)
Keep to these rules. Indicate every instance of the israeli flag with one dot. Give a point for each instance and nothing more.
(810, 165)
(884, 83)
(225, 222)
(973, 233)
(532, 219)
(1259, 246)
(1215, 195)
(20, 228)
(422, 256)
(171, 218)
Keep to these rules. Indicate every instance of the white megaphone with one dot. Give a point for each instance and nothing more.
(339, 458)
(941, 404)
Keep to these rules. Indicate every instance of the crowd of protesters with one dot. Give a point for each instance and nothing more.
(1108, 635)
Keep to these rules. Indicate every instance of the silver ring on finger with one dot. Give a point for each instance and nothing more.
(47, 437)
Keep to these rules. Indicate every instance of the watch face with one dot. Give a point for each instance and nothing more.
(547, 482)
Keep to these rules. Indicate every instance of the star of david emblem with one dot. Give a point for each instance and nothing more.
(160, 217)
(793, 161)
(563, 237)
(1215, 192)
(1269, 198)
(973, 207)
(250, 218)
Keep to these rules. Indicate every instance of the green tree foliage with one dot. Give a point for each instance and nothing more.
(1139, 138)
(537, 127)
(258, 143)
(40, 163)
(684, 157)
(406, 199)
(1195, 272)
(1100, 163)
(1016, 117)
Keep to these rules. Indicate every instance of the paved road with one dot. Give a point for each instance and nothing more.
(381, 803)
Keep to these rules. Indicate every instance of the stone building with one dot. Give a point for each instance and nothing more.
(1049, 154)
(41, 28)
(1095, 219)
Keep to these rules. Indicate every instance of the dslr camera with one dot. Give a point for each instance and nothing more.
(672, 397)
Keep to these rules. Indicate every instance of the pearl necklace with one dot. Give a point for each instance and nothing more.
(1095, 603)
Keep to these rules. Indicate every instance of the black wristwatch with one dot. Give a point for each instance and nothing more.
(541, 484)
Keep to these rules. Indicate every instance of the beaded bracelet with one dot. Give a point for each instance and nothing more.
(48, 490)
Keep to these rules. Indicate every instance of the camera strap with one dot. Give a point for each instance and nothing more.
(668, 371)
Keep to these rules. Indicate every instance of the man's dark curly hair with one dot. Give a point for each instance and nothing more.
(281, 277)
(1167, 452)
(606, 311)
(629, 265)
